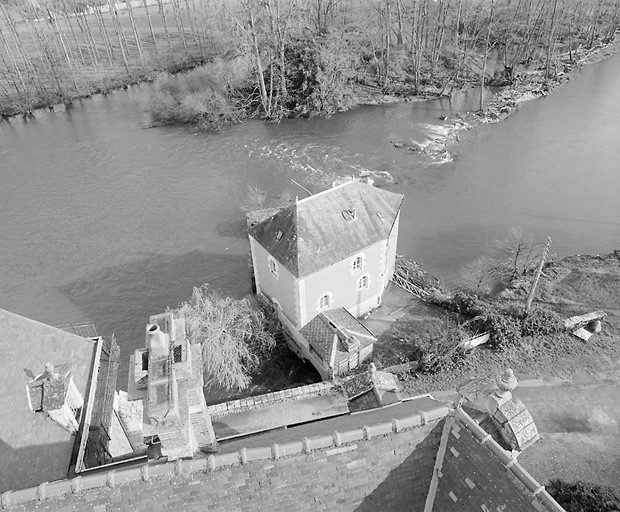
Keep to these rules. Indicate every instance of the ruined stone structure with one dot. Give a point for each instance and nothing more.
(167, 375)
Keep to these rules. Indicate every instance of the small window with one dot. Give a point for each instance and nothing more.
(273, 266)
(145, 361)
(177, 353)
(349, 215)
(357, 264)
(324, 301)
(362, 284)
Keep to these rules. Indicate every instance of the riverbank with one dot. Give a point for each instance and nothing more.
(573, 285)
(531, 85)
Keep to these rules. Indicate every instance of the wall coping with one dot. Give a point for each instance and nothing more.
(252, 402)
(337, 442)
(509, 461)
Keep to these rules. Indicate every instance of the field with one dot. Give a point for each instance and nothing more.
(48, 61)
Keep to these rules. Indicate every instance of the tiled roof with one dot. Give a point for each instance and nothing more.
(33, 446)
(321, 336)
(325, 228)
(470, 476)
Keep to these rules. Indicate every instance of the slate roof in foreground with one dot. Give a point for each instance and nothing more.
(33, 446)
(325, 228)
(471, 477)
(388, 465)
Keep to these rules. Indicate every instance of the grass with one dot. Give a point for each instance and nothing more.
(99, 71)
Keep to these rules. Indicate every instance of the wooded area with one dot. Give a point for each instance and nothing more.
(279, 58)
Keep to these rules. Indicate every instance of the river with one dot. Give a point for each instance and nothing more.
(107, 221)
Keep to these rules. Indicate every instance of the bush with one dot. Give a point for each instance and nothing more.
(584, 497)
(505, 331)
(541, 321)
(439, 347)
(207, 95)
(320, 73)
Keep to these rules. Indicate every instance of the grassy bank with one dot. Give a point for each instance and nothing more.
(571, 286)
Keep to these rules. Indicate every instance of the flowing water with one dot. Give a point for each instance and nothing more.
(107, 221)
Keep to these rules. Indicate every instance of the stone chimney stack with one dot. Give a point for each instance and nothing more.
(156, 341)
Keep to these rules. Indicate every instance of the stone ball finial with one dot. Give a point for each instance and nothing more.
(507, 381)
(51, 371)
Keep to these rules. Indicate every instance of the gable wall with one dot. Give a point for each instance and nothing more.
(341, 283)
(283, 288)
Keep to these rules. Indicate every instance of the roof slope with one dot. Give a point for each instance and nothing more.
(322, 229)
(35, 447)
(471, 477)
(320, 331)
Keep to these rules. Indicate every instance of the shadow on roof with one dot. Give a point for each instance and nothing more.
(407, 485)
(31, 465)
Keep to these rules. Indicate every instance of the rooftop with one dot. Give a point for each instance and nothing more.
(322, 229)
(320, 331)
(406, 463)
(35, 447)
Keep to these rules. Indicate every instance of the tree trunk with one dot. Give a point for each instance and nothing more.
(550, 41)
(136, 34)
(162, 13)
(486, 54)
(148, 17)
(104, 34)
(179, 22)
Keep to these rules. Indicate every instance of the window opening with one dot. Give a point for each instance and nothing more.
(177, 353)
(324, 302)
(145, 361)
(362, 284)
(357, 264)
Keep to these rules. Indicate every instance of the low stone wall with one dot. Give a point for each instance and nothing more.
(247, 404)
(386, 467)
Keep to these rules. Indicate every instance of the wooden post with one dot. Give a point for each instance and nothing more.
(530, 297)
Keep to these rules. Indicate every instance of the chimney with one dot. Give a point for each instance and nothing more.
(156, 341)
(54, 393)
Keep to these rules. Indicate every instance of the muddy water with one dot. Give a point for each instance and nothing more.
(104, 220)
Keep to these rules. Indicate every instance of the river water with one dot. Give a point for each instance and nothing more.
(107, 221)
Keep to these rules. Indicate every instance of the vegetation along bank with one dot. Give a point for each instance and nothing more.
(276, 59)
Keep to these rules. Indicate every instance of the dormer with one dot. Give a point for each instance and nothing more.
(54, 393)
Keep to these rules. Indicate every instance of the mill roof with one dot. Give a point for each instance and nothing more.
(32, 445)
(325, 228)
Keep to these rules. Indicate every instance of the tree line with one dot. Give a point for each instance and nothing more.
(288, 57)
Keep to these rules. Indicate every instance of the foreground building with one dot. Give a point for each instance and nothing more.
(322, 263)
(429, 458)
(56, 398)
(335, 249)
(167, 377)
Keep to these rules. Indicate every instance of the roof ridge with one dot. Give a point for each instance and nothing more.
(312, 196)
(510, 462)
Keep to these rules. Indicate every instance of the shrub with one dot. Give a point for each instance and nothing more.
(541, 321)
(584, 497)
(207, 95)
(505, 331)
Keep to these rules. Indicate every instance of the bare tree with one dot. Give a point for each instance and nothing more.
(232, 334)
